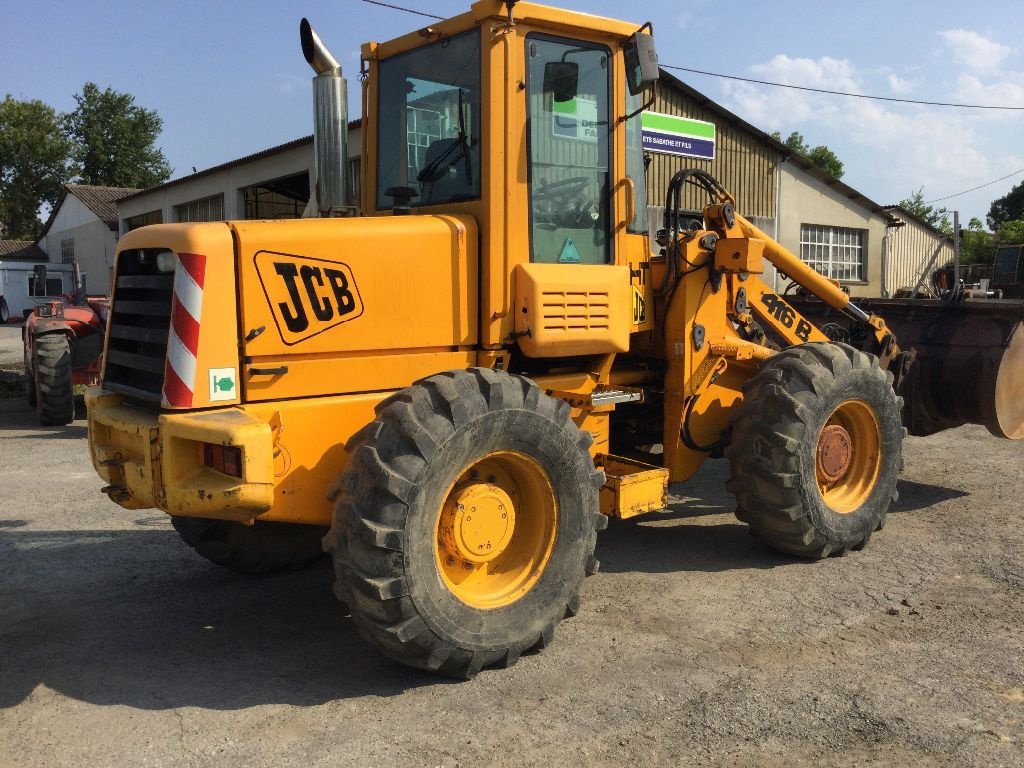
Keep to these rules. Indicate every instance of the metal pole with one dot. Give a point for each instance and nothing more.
(956, 252)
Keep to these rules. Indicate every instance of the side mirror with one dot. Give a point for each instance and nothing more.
(641, 62)
(561, 79)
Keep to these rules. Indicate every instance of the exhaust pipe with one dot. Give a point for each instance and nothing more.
(330, 124)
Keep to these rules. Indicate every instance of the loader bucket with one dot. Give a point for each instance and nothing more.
(970, 362)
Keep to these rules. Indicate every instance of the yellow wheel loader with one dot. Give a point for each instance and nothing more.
(456, 389)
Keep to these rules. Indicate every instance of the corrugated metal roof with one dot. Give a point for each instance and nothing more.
(101, 200)
(21, 250)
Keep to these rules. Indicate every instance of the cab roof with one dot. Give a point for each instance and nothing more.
(555, 19)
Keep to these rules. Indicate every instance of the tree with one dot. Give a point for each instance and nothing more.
(936, 217)
(115, 140)
(977, 245)
(1011, 232)
(1007, 208)
(821, 156)
(33, 165)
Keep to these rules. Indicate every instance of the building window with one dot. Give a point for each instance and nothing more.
(206, 209)
(284, 198)
(67, 251)
(836, 252)
(143, 219)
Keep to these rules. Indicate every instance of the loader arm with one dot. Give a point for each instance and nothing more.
(732, 226)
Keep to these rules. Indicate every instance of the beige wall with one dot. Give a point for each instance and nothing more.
(806, 200)
(94, 242)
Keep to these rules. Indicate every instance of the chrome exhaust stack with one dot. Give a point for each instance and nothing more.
(330, 125)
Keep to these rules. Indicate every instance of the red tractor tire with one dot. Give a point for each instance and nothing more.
(52, 380)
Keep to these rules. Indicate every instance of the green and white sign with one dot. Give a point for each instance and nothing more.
(223, 384)
(575, 119)
(674, 135)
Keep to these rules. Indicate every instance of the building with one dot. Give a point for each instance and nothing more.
(838, 231)
(83, 228)
(916, 250)
(275, 183)
(830, 225)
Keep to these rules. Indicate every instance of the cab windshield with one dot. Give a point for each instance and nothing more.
(429, 122)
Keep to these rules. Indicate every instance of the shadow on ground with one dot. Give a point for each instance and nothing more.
(915, 496)
(17, 415)
(134, 618)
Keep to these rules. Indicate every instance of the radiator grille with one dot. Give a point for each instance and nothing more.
(140, 318)
(575, 311)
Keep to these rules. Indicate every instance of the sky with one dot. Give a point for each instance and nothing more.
(228, 78)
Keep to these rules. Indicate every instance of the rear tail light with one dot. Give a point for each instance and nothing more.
(223, 458)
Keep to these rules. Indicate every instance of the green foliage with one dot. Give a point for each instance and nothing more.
(977, 245)
(821, 156)
(936, 217)
(115, 140)
(1009, 207)
(1011, 232)
(107, 140)
(33, 165)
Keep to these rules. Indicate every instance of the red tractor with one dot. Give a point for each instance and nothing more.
(63, 340)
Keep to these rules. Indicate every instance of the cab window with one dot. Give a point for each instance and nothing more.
(429, 122)
(568, 87)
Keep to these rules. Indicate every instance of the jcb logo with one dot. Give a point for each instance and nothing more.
(307, 296)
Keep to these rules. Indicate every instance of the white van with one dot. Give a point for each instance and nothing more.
(19, 292)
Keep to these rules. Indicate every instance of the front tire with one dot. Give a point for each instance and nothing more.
(815, 450)
(262, 547)
(428, 583)
(52, 380)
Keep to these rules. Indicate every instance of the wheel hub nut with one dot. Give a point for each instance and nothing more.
(835, 451)
(477, 523)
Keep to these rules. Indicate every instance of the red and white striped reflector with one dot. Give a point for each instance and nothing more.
(183, 339)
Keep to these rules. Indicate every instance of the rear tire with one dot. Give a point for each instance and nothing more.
(815, 450)
(54, 391)
(5, 312)
(262, 547)
(426, 584)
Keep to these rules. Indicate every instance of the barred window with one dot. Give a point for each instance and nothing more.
(206, 209)
(835, 252)
(67, 251)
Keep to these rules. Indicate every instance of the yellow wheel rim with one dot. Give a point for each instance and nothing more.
(848, 457)
(496, 530)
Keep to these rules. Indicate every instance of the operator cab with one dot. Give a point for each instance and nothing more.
(525, 118)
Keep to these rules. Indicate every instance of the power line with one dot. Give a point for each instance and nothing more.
(839, 93)
(407, 10)
(980, 186)
(767, 82)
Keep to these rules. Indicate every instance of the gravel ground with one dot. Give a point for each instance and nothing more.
(694, 645)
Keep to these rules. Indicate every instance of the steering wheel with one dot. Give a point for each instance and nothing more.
(562, 190)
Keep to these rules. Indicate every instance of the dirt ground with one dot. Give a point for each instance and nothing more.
(694, 645)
